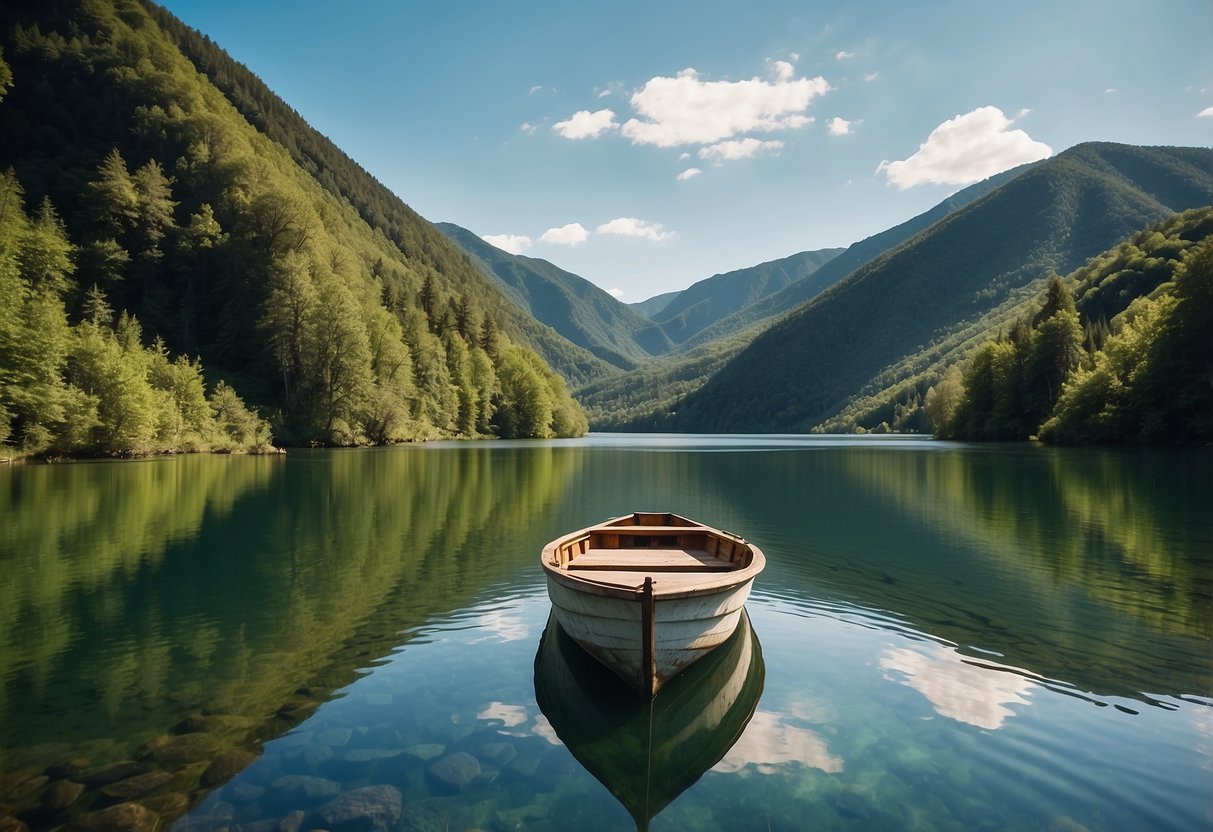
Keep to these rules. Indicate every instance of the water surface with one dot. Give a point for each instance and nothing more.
(954, 637)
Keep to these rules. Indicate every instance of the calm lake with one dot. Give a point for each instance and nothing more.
(946, 637)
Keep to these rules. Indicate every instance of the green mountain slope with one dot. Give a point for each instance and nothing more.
(573, 306)
(708, 301)
(381, 209)
(855, 256)
(177, 209)
(1050, 218)
(643, 398)
(649, 308)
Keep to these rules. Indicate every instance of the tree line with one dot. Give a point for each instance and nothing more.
(1130, 360)
(161, 222)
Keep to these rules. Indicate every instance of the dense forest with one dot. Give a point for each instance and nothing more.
(865, 350)
(1118, 351)
(149, 230)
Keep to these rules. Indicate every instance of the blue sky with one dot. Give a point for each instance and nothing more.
(647, 145)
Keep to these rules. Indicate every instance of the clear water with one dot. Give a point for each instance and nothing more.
(953, 637)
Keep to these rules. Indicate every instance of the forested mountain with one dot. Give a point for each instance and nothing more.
(215, 242)
(570, 304)
(708, 301)
(853, 257)
(1120, 350)
(381, 209)
(649, 308)
(1049, 219)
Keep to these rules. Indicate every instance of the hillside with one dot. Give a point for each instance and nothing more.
(640, 399)
(853, 257)
(709, 301)
(211, 240)
(1049, 219)
(649, 308)
(573, 306)
(381, 209)
(1118, 351)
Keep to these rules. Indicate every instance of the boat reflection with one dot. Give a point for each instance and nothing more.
(648, 753)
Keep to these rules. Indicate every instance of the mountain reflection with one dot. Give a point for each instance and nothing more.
(142, 594)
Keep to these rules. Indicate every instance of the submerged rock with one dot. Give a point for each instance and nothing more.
(125, 817)
(313, 788)
(136, 786)
(369, 809)
(425, 751)
(499, 753)
(226, 766)
(292, 822)
(454, 773)
(112, 773)
(61, 794)
(182, 750)
(429, 815)
(244, 793)
(214, 724)
(67, 769)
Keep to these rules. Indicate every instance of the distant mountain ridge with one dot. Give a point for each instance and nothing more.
(1049, 218)
(649, 308)
(850, 259)
(573, 306)
(713, 299)
(612, 330)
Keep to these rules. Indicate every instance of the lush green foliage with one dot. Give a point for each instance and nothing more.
(1070, 373)
(181, 213)
(93, 388)
(872, 333)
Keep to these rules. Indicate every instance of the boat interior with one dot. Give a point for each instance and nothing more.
(652, 542)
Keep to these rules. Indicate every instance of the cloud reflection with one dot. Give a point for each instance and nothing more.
(502, 626)
(516, 717)
(977, 694)
(770, 741)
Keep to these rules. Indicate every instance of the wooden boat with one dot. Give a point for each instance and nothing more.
(649, 752)
(650, 593)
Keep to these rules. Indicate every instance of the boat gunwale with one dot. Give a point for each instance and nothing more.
(712, 583)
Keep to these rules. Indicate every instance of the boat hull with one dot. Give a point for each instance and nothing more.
(685, 628)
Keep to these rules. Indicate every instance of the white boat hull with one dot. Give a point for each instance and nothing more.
(685, 629)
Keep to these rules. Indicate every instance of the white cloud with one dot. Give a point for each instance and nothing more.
(784, 71)
(632, 227)
(566, 235)
(604, 93)
(842, 127)
(843, 55)
(687, 110)
(965, 149)
(586, 125)
(616, 293)
(871, 76)
(513, 243)
(528, 128)
(1111, 90)
(731, 151)
(1207, 112)
(689, 173)
(536, 88)
(683, 156)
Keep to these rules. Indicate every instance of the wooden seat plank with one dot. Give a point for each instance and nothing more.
(663, 560)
